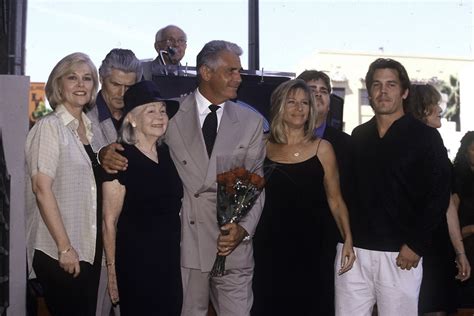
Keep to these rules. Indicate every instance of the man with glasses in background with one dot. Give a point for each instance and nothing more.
(170, 44)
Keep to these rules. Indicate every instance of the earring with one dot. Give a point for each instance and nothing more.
(133, 124)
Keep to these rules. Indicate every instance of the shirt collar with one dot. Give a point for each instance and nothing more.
(70, 121)
(203, 103)
(319, 131)
(102, 108)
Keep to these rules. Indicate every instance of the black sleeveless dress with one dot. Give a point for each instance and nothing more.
(288, 242)
(147, 257)
(464, 187)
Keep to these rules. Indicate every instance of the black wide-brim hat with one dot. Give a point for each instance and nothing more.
(144, 92)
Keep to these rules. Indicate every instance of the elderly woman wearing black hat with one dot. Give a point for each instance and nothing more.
(141, 224)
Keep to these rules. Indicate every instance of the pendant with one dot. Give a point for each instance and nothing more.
(296, 154)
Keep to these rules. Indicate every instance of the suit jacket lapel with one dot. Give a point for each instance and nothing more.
(226, 140)
(190, 130)
(109, 130)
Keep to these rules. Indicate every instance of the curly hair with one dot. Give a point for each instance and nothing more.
(460, 161)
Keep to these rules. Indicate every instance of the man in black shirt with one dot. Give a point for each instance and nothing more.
(401, 191)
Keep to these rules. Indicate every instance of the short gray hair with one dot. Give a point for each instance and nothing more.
(209, 53)
(159, 34)
(121, 59)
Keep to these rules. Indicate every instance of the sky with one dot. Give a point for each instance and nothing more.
(290, 31)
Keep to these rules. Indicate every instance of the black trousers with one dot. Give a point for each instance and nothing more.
(64, 294)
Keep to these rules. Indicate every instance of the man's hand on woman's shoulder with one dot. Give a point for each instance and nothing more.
(111, 160)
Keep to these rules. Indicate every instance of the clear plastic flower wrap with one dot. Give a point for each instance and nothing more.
(238, 187)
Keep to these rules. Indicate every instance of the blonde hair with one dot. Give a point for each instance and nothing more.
(64, 67)
(127, 132)
(277, 108)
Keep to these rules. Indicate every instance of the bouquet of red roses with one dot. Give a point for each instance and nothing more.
(238, 187)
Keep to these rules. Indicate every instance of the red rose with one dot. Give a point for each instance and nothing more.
(230, 178)
(257, 180)
(241, 173)
(221, 178)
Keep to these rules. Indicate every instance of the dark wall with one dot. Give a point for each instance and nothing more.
(3, 37)
(12, 36)
(4, 230)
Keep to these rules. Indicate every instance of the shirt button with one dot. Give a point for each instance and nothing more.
(184, 162)
(196, 195)
(93, 226)
(191, 222)
(92, 188)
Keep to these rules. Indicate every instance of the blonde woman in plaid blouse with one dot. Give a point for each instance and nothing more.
(64, 244)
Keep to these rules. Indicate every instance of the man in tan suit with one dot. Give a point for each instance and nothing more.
(239, 131)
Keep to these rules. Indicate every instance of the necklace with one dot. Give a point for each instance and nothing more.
(296, 152)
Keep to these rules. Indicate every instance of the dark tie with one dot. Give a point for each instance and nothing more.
(209, 128)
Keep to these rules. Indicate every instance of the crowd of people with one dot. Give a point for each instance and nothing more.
(122, 200)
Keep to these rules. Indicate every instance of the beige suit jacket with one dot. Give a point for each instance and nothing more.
(240, 132)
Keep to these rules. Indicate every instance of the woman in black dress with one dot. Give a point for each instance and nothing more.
(463, 196)
(438, 288)
(302, 184)
(141, 211)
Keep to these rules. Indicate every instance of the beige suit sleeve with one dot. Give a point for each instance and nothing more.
(256, 149)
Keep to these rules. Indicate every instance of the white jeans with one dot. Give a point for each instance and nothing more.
(375, 278)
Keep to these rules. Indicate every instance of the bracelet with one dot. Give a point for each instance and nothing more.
(62, 252)
(97, 156)
(460, 253)
(108, 264)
